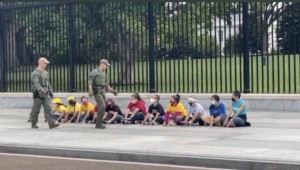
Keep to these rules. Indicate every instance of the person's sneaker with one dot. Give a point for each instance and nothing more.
(34, 126)
(29, 120)
(53, 126)
(101, 127)
(46, 120)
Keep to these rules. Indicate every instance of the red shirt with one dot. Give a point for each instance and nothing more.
(140, 104)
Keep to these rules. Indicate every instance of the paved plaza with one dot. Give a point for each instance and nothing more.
(273, 137)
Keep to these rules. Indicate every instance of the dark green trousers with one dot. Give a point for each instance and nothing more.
(100, 100)
(36, 107)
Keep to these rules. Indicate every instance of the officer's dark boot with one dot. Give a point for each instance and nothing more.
(34, 126)
(101, 126)
(53, 126)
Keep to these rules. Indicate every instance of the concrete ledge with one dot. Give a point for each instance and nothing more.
(168, 95)
(255, 102)
(153, 158)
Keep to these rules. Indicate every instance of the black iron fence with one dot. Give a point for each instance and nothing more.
(199, 47)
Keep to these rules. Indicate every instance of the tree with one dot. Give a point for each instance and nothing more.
(289, 29)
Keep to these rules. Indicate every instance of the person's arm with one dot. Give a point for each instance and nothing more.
(146, 117)
(91, 79)
(86, 115)
(105, 115)
(35, 81)
(195, 117)
(226, 123)
(187, 117)
(240, 110)
(114, 117)
(211, 121)
(134, 112)
(78, 117)
(127, 111)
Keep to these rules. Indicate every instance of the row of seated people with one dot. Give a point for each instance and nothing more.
(174, 114)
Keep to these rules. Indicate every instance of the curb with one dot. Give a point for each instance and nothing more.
(210, 162)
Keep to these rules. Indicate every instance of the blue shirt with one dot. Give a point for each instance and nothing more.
(217, 110)
(237, 105)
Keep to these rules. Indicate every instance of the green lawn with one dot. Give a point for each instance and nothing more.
(279, 75)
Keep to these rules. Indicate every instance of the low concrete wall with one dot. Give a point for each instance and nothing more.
(255, 102)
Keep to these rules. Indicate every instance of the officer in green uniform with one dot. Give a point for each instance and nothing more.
(98, 85)
(42, 92)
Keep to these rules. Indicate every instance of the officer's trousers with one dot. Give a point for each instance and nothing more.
(36, 107)
(100, 99)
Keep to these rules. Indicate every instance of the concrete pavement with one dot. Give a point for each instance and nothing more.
(272, 142)
(32, 162)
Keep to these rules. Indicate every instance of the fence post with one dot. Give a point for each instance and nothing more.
(71, 45)
(246, 47)
(3, 70)
(151, 48)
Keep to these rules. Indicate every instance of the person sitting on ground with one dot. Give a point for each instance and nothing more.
(216, 110)
(136, 110)
(237, 114)
(59, 109)
(156, 111)
(73, 109)
(113, 113)
(175, 112)
(87, 111)
(195, 111)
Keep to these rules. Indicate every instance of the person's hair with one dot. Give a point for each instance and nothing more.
(216, 97)
(83, 98)
(176, 97)
(157, 97)
(137, 96)
(237, 94)
(110, 100)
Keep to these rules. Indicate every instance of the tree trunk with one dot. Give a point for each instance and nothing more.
(124, 58)
(265, 35)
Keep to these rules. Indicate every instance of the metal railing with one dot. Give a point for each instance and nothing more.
(196, 47)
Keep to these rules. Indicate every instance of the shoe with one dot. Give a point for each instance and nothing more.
(34, 126)
(46, 120)
(29, 120)
(101, 127)
(53, 126)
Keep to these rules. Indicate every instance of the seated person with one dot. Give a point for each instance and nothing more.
(59, 109)
(237, 114)
(113, 113)
(73, 109)
(196, 113)
(175, 112)
(216, 110)
(155, 111)
(136, 110)
(87, 111)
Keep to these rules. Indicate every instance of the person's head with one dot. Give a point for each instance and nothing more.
(84, 100)
(103, 64)
(175, 99)
(192, 100)
(236, 95)
(154, 99)
(56, 102)
(110, 102)
(135, 97)
(42, 63)
(215, 99)
(71, 100)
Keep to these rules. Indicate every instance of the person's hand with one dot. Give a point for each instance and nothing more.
(83, 121)
(229, 122)
(114, 92)
(211, 125)
(190, 123)
(90, 93)
(51, 95)
(107, 122)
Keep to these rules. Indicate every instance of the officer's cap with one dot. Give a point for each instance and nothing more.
(104, 61)
(44, 60)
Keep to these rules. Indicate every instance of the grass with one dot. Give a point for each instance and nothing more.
(217, 75)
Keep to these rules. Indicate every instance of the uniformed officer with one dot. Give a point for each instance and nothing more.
(42, 92)
(98, 85)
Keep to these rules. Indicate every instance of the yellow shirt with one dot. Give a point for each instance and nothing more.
(85, 108)
(60, 109)
(178, 108)
(71, 109)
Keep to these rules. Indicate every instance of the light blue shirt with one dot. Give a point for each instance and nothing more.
(237, 105)
(196, 109)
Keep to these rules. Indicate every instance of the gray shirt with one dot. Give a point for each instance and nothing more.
(196, 109)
